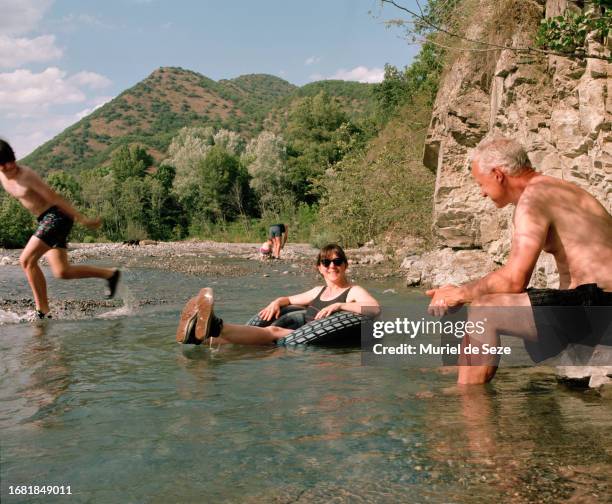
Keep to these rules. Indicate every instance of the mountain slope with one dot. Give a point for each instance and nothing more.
(151, 113)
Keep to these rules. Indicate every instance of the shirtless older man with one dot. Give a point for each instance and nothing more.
(55, 218)
(551, 215)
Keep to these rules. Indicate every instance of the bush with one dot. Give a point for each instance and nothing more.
(16, 224)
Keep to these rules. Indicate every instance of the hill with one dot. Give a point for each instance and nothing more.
(151, 113)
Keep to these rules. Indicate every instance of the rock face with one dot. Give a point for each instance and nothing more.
(558, 108)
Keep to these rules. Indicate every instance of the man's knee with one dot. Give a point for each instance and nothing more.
(475, 375)
(487, 300)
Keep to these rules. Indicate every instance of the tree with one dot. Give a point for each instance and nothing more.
(129, 162)
(313, 131)
(221, 177)
(66, 185)
(266, 161)
(185, 152)
(231, 141)
(16, 223)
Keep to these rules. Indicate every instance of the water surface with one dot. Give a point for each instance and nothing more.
(113, 407)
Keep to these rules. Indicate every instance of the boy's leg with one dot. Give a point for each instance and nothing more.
(58, 260)
(33, 251)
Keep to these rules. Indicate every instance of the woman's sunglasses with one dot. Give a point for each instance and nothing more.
(336, 260)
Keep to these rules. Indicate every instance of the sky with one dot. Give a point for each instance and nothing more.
(61, 59)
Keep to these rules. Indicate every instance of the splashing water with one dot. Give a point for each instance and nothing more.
(7, 317)
(129, 304)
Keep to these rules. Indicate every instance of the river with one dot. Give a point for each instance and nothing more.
(111, 406)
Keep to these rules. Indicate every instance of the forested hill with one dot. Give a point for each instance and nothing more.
(154, 110)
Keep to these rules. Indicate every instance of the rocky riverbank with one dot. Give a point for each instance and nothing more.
(213, 258)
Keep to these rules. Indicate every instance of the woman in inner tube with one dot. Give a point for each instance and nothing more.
(199, 323)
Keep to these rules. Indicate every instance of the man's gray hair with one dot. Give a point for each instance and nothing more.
(500, 152)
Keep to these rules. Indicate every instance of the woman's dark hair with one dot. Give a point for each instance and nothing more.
(330, 251)
(6, 153)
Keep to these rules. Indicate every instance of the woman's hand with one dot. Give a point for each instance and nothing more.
(328, 310)
(271, 312)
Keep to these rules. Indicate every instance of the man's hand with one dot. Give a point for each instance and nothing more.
(271, 312)
(444, 298)
(92, 223)
(328, 310)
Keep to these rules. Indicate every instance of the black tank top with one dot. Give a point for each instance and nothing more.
(317, 303)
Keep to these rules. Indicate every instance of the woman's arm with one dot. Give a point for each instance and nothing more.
(359, 301)
(272, 311)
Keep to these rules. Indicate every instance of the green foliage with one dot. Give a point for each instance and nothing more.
(66, 185)
(567, 33)
(400, 87)
(319, 134)
(16, 223)
(223, 191)
(266, 161)
(365, 195)
(130, 162)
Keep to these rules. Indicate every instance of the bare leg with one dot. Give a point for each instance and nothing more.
(251, 335)
(501, 318)
(277, 247)
(58, 260)
(33, 251)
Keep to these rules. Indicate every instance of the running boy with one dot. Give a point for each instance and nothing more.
(55, 218)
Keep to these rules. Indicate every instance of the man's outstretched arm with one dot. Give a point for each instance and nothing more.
(529, 237)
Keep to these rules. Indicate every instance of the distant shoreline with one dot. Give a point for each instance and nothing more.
(215, 258)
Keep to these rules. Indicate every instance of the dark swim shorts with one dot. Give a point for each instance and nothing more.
(54, 227)
(580, 316)
(276, 230)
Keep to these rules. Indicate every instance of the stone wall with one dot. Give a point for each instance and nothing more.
(558, 108)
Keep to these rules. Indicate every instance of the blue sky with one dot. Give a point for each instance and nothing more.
(61, 59)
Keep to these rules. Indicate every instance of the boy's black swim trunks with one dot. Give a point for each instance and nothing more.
(571, 316)
(54, 227)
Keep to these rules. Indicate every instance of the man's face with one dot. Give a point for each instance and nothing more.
(491, 185)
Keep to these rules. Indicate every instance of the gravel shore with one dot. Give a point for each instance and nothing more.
(213, 258)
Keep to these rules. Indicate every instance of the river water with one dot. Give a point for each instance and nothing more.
(111, 406)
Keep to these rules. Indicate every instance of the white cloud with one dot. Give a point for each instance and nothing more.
(15, 52)
(312, 60)
(21, 16)
(28, 94)
(360, 74)
(28, 134)
(90, 79)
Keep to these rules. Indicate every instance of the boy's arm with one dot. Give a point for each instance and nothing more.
(53, 198)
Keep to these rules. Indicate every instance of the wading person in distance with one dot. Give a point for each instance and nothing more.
(55, 219)
(551, 215)
(278, 233)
